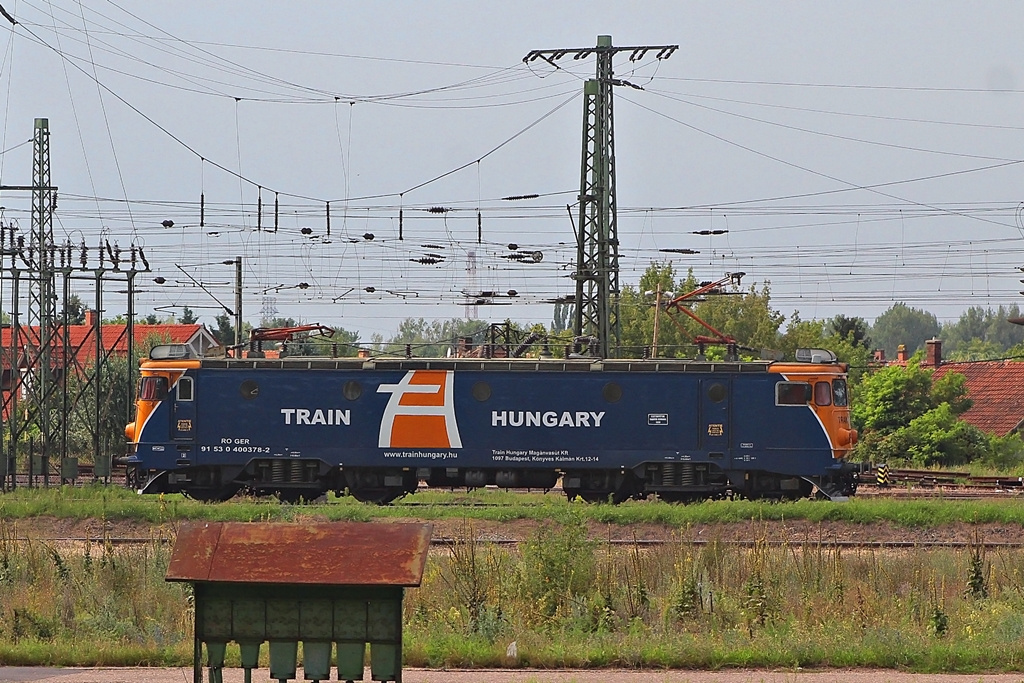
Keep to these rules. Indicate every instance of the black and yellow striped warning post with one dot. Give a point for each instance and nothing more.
(882, 475)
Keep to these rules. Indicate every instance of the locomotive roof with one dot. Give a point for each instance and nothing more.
(492, 365)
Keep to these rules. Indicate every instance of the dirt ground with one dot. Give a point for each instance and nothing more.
(790, 531)
(520, 676)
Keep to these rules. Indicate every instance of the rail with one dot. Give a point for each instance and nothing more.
(940, 479)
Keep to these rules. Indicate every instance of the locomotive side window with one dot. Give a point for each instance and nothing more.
(481, 391)
(185, 389)
(823, 394)
(716, 392)
(792, 393)
(352, 390)
(249, 389)
(612, 392)
(839, 393)
(153, 388)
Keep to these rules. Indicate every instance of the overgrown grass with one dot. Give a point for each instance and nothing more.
(116, 503)
(563, 598)
(710, 606)
(91, 604)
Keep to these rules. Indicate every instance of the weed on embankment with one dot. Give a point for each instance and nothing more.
(560, 597)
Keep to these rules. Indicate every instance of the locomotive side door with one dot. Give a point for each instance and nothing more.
(713, 428)
(183, 418)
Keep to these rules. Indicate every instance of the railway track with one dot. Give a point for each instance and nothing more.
(447, 542)
(899, 483)
(879, 478)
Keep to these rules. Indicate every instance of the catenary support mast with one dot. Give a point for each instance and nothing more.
(42, 295)
(597, 257)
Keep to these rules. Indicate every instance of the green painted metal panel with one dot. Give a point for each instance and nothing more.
(250, 619)
(101, 468)
(383, 620)
(351, 660)
(282, 619)
(68, 468)
(216, 619)
(350, 620)
(316, 660)
(316, 619)
(283, 655)
(250, 653)
(385, 661)
(215, 660)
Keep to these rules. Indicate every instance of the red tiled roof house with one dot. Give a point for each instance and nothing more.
(996, 388)
(19, 348)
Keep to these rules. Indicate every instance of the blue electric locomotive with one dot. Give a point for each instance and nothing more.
(377, 428)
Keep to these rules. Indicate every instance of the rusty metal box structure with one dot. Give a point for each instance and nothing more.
(330, 586)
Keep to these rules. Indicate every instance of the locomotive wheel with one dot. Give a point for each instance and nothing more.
(217, 495)
(293, 496)
(603, 488)
(381, 496)
(680, 497)
(371, 486)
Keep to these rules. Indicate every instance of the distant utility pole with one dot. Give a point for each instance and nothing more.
(597, 241)
(238, 307)
(237, 263)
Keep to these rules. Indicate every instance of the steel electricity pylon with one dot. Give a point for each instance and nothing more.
(50, 381)
(597, 241)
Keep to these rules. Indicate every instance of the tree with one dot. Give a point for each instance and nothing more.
(856, 356)
(74, 311)
(905, 416)
(188, 317)
(801, 334)
(975, 349)
(342, 343)
(637, 313)
(982, 333)
(902, 324)
(746, 315)
(225, 331)
(151, 319)
(855, 329)
(432, 339)
(939, 438)
(891, 397)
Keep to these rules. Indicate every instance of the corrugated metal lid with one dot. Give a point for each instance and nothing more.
(339, 553)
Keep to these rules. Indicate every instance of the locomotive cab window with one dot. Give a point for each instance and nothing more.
(185, 389)
(153, 388)
(839, 393)
(792, 393)
(822, 394)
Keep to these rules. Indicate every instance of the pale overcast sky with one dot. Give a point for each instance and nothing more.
(857, 153)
